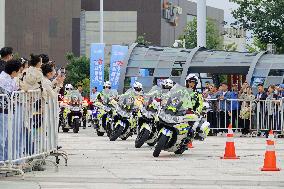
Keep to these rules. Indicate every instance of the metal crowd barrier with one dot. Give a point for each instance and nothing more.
(28, 130)
(255, 115)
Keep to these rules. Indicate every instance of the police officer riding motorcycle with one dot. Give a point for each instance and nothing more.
(147, 122)
(106, 101)
(127, 110)
(179, 119)
(198, 106)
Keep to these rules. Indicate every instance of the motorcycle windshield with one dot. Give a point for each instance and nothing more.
(155, 92)
(74, 97)
(109, 95)
(126, 100)
(132, 98)
(179, 94)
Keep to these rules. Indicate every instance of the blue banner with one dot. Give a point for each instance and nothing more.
(97, 66)
(118, 54)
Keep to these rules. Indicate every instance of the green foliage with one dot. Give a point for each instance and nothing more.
(231, 47)
(213, 37)
(256, 46)
(223, 78)
(265, 18)
(78, 71)
(141, 40)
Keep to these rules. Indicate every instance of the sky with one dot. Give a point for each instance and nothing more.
(225, 5)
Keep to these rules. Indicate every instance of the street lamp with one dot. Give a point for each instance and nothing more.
(201, 23)
(101, 21)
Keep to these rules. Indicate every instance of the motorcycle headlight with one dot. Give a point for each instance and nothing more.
(75, 109)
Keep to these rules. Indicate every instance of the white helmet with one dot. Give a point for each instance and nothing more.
(107, 84)
(68, 87)
(191, 78)
(137, 86)
(167, 84)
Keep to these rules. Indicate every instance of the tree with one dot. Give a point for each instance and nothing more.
(141, 40)
(263, 17)
(256, 46)
(78, 71)
(213, 37)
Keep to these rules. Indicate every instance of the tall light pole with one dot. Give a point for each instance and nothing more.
(201, 23)
(101, 21)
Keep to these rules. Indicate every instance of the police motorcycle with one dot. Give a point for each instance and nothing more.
(105, 110)
(124, 122)
(147, 121)
(73, 111)
(127, 112)
(177, 123)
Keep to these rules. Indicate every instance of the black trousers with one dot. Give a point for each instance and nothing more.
(245, 125)
(212, 118)
(224, 121)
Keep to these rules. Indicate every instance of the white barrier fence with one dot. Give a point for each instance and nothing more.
(247, 115)
(28, 130)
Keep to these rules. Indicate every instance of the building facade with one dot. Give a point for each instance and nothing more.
(56, 27)
(47, 26)
(237, 37)
(160, 21)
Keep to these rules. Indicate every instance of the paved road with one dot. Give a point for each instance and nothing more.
(95, 162)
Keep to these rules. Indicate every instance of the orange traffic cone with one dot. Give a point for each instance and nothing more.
(270, 157)
(189, 145)
(230, 145)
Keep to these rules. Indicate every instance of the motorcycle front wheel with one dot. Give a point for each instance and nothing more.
(162, 141)
(116, 132)
(141, 138)
(77, 124)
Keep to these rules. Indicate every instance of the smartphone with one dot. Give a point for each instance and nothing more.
(62, 71)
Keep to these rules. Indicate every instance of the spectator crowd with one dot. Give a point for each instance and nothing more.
(37, 73)
(243, 109)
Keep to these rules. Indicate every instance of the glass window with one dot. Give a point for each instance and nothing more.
(158, 80)
(276, 72)
(176, 71)
(144, 72)
(257, 80)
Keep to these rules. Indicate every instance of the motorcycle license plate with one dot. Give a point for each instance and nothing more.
(76, 117)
